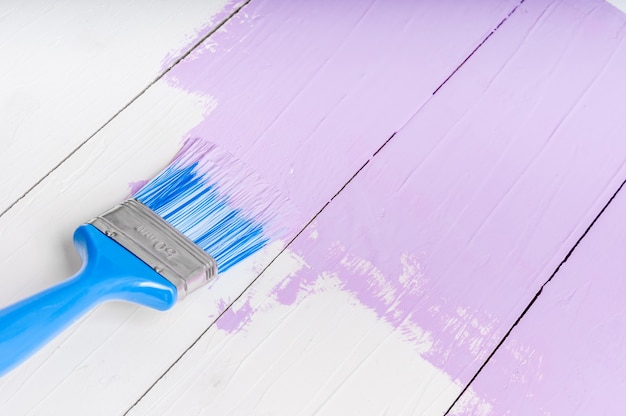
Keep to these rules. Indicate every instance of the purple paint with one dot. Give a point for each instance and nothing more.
(490, 202)
(232, 320)
(566, 357)
(477, 189)
(306, 94)
(454, 226)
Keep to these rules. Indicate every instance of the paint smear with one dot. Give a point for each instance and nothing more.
(398, 292)
(302, 94)
(452, 228)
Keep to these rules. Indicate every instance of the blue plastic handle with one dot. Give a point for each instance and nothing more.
(109, 272)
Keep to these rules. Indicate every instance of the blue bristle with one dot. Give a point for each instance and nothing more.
(197, 195)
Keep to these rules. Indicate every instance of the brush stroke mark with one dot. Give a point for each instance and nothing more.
(360, 276)
(478, 233)
(471, 279)
(199, 74)
(487, 183)
(310, 92)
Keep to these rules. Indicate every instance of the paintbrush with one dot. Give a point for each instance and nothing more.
(205, 212)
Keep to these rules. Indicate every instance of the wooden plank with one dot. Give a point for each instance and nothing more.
(278, 84)
(566, 357)
(68, 67)
(392, 299)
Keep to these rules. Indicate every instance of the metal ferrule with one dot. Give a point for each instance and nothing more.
(149, 237)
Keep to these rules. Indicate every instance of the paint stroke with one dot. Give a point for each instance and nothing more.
(328, 104)
(308, 93)
(239, 315)
(474, 198)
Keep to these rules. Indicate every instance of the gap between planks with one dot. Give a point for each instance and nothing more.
(534, 299)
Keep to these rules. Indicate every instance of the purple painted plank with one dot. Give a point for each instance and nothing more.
(457, 223)
(566, 357)
(306, 93)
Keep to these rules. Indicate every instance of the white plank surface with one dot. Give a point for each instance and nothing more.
(66, 67)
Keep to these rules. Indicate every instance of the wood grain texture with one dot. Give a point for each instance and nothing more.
(261, 97)
(68, 67)
(431, 253)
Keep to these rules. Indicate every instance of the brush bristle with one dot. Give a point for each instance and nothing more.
(217, 202)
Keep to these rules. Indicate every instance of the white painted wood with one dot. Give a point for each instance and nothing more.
(67, 67)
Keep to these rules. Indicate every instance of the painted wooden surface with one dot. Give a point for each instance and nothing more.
(394, 296)
(566, 357)
(482, 182)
